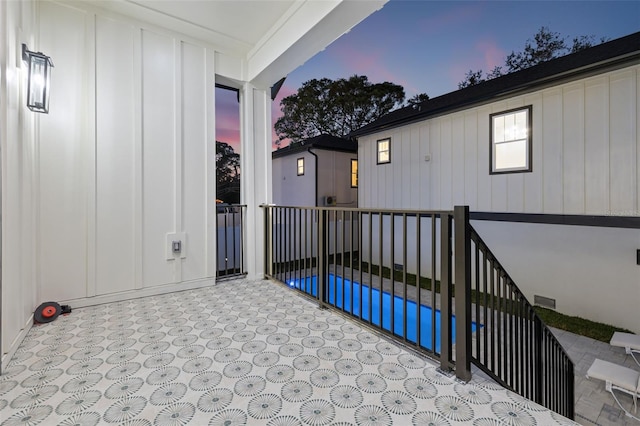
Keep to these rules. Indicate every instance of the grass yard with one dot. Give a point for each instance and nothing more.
(577, 325)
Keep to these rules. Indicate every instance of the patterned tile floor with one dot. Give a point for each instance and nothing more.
(236, 353)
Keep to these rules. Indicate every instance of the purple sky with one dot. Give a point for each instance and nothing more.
(428, 46)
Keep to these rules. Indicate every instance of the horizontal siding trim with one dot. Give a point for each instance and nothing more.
(628, 222)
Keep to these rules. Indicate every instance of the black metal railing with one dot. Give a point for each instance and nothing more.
(230, 220)
(382, 267)
(514, 346)
(395, 271)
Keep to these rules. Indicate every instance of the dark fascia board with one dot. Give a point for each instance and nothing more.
(626, 222)
(325, 142)
(615, 54)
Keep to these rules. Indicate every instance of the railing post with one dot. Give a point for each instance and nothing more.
(323, 257)
(570, 398)
(445, 293)
(268, 240)
(462, 291)
(538, 374)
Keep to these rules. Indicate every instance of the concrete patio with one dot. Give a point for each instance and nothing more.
(594, 405)
(254, 352)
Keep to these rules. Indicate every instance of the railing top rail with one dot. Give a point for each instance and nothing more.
(231, 205)
(363, 210)
(478, 240)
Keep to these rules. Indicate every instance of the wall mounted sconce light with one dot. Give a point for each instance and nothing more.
(39, 79)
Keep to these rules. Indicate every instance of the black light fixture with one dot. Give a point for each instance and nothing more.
(39, 79)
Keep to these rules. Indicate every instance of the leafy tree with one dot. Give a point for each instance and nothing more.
(335, 107)
(471, 78)
(546, 45)
(584, 42)
(418, 99)
(495, 72)
(227, 173)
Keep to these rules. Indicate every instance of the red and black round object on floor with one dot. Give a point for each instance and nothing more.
(48, 311)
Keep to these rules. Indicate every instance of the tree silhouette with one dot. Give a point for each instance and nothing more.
(227, 173)
(546, 45)
(335, 107)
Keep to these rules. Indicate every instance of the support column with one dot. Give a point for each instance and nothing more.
(462, 292)
(255, 155)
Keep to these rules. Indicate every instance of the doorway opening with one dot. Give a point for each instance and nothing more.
(230, 214)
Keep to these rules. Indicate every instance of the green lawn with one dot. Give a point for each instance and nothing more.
(577, 325)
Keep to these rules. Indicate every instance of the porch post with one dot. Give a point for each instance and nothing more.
(462, 292)
(255, 166)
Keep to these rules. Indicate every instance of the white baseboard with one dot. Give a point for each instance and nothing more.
(135, 294)
(13, 347)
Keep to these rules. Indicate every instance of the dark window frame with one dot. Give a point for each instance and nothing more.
(298, 166)
(529, 166)
(356, 173)
(378, 151)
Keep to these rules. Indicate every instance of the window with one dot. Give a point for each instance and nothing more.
(300, 166)
(384, 151)
(354, 173)
(510, 135)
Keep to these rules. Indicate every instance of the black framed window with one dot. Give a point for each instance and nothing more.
(354, 173)
(384, 151)
(300, 166)
(511, 141)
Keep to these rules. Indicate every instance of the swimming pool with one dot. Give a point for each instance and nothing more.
(340, 295)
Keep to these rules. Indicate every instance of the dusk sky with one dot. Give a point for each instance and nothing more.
(428, 46)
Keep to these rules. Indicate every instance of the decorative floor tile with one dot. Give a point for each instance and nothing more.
(236, 353)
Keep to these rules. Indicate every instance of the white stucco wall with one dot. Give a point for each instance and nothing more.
(591, 272)
(586, 152)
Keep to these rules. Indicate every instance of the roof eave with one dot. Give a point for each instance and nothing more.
(579, 72)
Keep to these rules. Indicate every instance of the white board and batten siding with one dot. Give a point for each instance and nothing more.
(289, 188)
(126, 156)
(585, 158)
(585, 155)
(19, 208)
(333, 179)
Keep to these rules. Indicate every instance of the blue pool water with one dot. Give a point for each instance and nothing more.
(340, 295)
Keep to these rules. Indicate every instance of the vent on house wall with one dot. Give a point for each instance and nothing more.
(544, 302)
(330, 200)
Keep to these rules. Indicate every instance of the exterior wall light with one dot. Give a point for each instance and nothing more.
(39, 80)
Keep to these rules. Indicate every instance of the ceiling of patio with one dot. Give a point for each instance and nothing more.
(273, 37)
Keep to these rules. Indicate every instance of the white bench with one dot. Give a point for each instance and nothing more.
(617, 377)
(630, 343)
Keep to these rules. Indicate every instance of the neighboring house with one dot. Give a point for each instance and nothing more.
(547, 159)
(95, 192)
(320, 171)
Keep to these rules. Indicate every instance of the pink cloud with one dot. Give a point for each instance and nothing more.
(486, 55)
(228, 118)
(492, 53)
